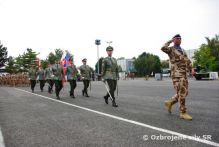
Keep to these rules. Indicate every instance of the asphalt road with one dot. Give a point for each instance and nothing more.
(32, 120)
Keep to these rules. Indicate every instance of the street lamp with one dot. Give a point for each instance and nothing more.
(97, 42)
(109, 42)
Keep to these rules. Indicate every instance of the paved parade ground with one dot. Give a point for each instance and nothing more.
(39, 120)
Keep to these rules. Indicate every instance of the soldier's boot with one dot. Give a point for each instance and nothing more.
(106, 98)
(86, 94)
(168, 104)
(72, 94)
(57, 96)
(114, 103)
(83, 92)
(185, 115)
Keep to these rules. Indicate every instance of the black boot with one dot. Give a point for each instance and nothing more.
(86, 94)
(57, 97)
(114, 103)
(106, 99)
(83, 92)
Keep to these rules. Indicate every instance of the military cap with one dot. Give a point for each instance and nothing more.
(84, 60)
(109, 48)
(177, 36)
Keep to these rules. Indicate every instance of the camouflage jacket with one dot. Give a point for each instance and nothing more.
(57, 72)
(71, 71)
(48, 73)
(110, 68)
(41, 74)
(180, 63)
(85, 72)
(32, 73)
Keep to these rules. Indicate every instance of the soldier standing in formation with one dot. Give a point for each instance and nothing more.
(49, 76)
(180, 66)
(72, 77)
(41, 74)
(58, 77)
(86, 76)
(110, 74)
(32, 75)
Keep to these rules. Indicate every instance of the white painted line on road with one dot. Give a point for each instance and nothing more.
(2, 144)
(131, 121)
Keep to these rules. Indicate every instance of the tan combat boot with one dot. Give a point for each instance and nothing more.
(185, 116)
(168, 105)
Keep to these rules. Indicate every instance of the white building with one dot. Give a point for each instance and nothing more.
(190, 54)
(126, 64)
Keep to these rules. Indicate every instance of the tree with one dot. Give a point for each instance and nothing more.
(207, 56)
(44, 63)
(51, 58)
(58, 53)
(165, 64)
(3, 55)
(147, 63)
(10, 66)
(204, 59)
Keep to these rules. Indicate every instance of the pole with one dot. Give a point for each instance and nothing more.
(108, 90)
(98, 66)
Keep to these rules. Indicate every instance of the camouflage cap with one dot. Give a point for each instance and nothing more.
(109, 48)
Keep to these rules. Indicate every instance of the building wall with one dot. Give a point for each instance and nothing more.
(126, 64)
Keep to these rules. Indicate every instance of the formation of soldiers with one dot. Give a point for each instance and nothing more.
(54, 74)
(14, 80)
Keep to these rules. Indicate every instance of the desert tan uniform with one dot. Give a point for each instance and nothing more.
(180, 66)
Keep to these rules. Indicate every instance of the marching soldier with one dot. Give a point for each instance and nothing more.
(58, 77)
(72, 76)
(180, 66)
(32, 76)
(86, 76)
(41, 74)
(110, 74)
(49, 75)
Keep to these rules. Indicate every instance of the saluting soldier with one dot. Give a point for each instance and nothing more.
(32, 76)
(41, 74)
(110, 74)
(180, 66)
(58, 77)
(72, 76)
(86, 76)
(49, 75)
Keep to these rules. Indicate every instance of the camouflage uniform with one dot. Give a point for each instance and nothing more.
(58, 77)
(41, 74)
(180, 66)
(32, 75)
(48, 75)
(110, 74)
(86, 76)
(71, 71)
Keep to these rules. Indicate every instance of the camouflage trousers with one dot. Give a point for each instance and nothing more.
(181, 86)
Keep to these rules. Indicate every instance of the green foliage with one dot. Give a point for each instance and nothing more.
(207, 57)
(147, 63)
(58, 53)
(44, 63)
(51, 58)
(3, 55)
(10, 67)
(165, 64)
(23, 62)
